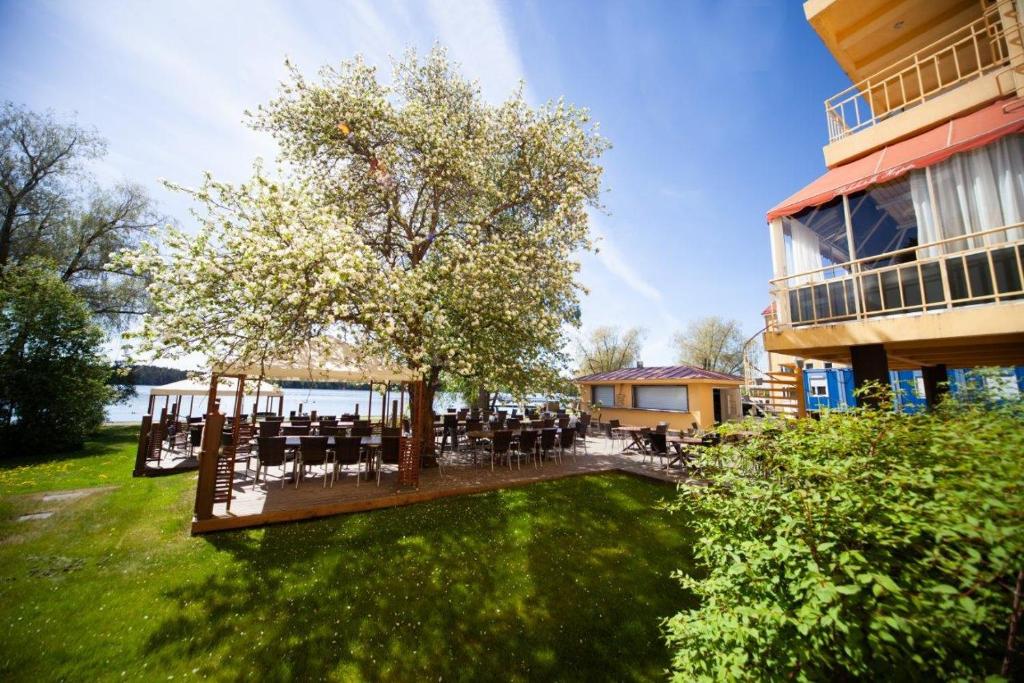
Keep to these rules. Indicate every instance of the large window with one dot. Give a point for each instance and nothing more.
(883, 219)
(605, 395)
(816, 238)
(661, 398)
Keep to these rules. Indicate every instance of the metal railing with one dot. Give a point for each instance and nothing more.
(968, 52)
(980, 268)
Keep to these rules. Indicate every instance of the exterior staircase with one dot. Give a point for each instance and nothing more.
(775, 393)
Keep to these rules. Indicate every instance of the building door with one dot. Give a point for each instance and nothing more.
(717, 397)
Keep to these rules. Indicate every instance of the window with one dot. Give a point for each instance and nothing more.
(819, 386)
(828, 366)
(605, 395)
(661, 398)
(808, 366)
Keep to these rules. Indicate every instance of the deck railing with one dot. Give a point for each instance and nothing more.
(968, 52)
(981, 268)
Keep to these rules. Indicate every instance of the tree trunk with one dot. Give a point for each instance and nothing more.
(6, 233)
(426, 420)
(483, 399)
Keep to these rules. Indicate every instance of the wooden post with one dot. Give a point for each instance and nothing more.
(151, 399)
(369, 403)
(143, 448)
(280, 406)
(801, 394)
(394, 412)
(208, 465)
(191, 400)
(401, 402)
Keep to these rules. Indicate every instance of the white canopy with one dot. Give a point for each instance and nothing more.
(327, 359)
(225, 386)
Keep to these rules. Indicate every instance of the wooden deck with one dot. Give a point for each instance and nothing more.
(267, 503)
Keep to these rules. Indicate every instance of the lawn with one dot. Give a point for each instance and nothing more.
(561, 580)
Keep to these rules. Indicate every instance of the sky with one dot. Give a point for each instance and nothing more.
(714, 110)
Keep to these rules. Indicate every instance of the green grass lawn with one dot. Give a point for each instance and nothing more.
(562, 580)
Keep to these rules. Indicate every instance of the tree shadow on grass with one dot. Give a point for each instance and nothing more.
(107, 441)
(563, 580)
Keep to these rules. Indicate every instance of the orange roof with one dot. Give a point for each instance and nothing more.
(925, 149)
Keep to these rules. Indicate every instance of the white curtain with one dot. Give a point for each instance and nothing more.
(975, 191)
(804, 253)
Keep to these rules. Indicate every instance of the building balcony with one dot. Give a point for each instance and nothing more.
(983, 268)
(963, 69)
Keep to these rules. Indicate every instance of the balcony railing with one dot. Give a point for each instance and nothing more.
(980, 47)
(981, 268)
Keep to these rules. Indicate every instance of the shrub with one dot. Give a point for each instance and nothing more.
(52, 378)
(867, 544)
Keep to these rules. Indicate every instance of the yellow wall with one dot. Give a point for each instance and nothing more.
(700, 397)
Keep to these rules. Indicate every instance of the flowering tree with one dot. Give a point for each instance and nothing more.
(436, 230)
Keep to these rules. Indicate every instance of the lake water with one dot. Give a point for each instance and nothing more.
(324, 401)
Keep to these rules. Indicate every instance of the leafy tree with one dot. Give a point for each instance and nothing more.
(606, 349)
(712, 343)
(53, 380)
(870, 544)
(50, 208)
(434, 229)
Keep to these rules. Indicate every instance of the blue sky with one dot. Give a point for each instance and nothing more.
(714, 110)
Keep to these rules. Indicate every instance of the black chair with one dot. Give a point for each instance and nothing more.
(295, 430)
(548, 437)
(195, 438)
(581, 433)
(501, 442)
(662, 428)
(450, 431)
(328, 422)
(312, 451)
(362, 430)
(658, 442)
(527, 444)
(333, 430)
(270, 428)
(563, 422)
(348, 451)
(513, 423)
(389, 453)
(390, 431)
(269, 453)
(566, 441)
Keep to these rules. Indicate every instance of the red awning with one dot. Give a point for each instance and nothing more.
(959, 135)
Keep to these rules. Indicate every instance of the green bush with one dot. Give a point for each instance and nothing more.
(53, 380)
(869, 544)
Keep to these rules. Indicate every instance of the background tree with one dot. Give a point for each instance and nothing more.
(606, 349)
(433, 228)
(52, 209)
(53, 378)
(712, 343)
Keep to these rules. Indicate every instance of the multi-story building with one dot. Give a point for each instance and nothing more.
(908, 253)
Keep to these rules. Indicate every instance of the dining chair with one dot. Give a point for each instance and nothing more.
(548, 436)
(567, 441)
(501, 442)
(313, 451)
(348, 451)
(658, 442)
(270, 453)
(388, 453)
(527, 444)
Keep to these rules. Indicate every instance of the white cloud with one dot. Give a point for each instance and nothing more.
(613, 259)
(477, 36)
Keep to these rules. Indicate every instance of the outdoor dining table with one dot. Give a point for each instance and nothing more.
(364, 441)
(678, 442)
(634, 432)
